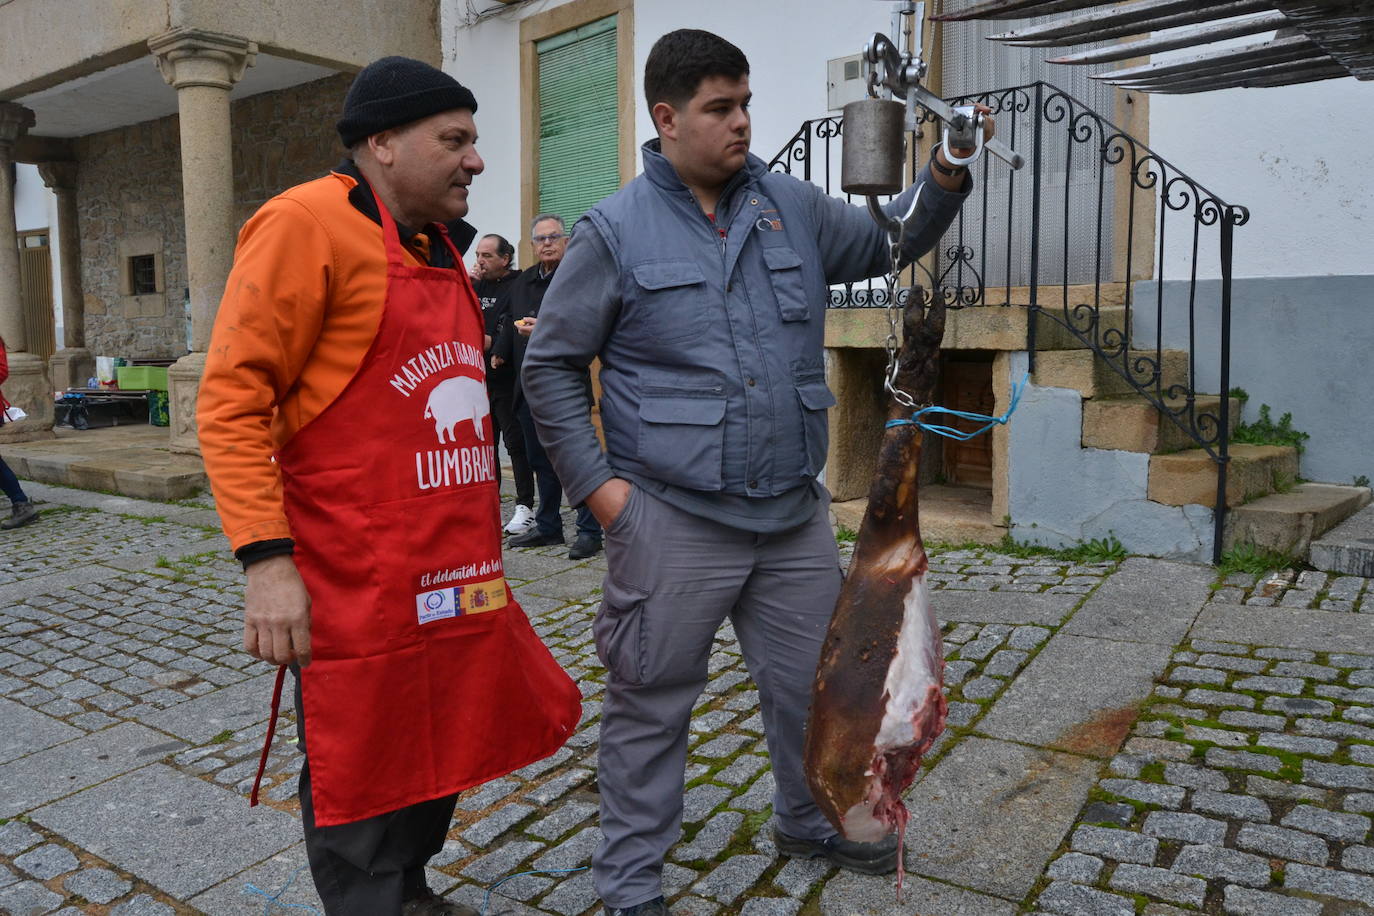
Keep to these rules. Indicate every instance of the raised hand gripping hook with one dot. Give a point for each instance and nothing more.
(964, 131)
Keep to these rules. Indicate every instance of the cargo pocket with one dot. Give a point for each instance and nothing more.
(682, 437)
(785, 275)
(816, 398)
(617, 630)
(672, 300)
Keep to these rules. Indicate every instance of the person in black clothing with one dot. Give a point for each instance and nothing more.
(550, 236)
(493, 278)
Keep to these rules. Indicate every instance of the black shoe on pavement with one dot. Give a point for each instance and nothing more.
(655, 907)
(434, 905)
(534, 539)
(22, 514)
(878, 858)
(585, 546)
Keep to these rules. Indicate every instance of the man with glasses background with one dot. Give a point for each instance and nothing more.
(549, 235)
(493, 275)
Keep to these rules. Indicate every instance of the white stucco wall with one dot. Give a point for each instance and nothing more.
(31, 198)
(787, 41)
(1299, 157)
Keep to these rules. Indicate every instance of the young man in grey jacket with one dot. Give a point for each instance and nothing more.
(702, 286)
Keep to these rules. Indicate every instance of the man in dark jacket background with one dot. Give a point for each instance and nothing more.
(550, 237)
(494, 275)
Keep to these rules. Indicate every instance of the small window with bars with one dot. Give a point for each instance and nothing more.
(143, 275)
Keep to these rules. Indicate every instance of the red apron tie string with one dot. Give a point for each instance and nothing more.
(271, 731)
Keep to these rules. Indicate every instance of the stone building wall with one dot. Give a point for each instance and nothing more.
(130, 204)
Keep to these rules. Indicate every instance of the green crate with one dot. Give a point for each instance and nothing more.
(141, 377)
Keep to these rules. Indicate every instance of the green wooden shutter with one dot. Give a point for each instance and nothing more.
(579, 131)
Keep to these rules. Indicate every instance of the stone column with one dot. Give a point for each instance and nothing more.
(27, 386)
(202, 66)
(73, 364)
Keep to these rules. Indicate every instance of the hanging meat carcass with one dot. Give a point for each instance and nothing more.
(877, 705)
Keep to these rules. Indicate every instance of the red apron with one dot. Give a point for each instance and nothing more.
(427, 677)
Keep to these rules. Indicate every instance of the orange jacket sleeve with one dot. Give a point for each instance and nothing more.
(273, 307)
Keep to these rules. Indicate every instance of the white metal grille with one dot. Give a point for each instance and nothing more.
(972, 64)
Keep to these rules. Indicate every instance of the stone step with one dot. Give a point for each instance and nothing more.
(1290, 523)
(128, 460)
(999, 328)
(1105, 294)
(948, 515)
(1349, 547)
(1133, 424)
(1090, 375)
(992, 327)
(1190, 477)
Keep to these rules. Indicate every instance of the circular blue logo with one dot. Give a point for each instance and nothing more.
(434, 601)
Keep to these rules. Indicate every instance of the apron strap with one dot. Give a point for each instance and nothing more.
(271, 731)
(461, 270)
(391, 236)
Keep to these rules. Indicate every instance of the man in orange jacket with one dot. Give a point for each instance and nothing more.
(344, 425)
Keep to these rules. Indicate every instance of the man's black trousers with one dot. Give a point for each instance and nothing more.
(505, 427)
(370, 867)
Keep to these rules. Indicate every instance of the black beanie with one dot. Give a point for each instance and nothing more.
(395, 91)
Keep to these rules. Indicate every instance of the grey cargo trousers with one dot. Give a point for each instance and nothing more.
(672, 580)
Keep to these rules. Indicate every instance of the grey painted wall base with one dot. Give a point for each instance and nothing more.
(1298, 344)
(1061, 493)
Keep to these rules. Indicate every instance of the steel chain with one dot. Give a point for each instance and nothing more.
(893, 315)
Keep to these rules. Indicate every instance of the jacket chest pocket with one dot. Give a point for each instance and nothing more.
(671, 299)
(785, 277)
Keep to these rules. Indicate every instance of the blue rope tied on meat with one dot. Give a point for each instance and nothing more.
(950, 432)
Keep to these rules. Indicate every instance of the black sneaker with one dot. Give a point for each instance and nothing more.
(878, 858)
(433, 905)
(534, 539)
(585, 546)
(655, 907)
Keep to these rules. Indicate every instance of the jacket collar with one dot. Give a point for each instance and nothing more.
(662, 173)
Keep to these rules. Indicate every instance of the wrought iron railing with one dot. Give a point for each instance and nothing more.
(1073, 219)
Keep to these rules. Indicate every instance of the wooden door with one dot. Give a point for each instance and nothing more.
(35, 291)
(968, 386)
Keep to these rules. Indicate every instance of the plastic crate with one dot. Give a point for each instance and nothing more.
(141, 377)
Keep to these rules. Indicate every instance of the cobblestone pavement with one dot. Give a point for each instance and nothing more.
(1129, 737)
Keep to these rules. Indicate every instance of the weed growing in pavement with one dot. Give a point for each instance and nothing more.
(1097, 550)
(1152, 772)
(846, 535)
(222, 737)
(1245, 557)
